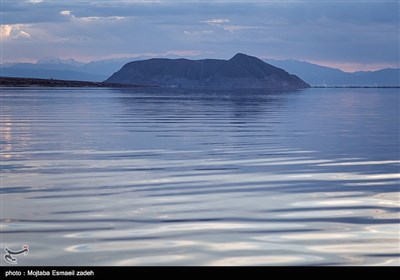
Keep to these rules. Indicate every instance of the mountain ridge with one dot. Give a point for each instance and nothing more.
(241, 71)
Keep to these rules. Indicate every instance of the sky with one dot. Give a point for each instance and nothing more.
(350, 35)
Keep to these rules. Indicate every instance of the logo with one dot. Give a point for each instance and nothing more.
(10, 253)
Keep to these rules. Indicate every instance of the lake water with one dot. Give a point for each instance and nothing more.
(167, 177)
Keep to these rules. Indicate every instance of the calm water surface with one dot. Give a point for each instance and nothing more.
(168, 177)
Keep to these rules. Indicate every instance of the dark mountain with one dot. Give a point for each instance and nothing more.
(318, 75)
(241, 71)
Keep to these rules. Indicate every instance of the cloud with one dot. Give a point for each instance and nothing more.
(357, 32)
(24, 34)
(5, 30)
(13, 31)
(91, 19)
(162, 54)
(198, 32)
(184, 52)
(224, 24)
(66, 13)
(169, 53)
(216, 21)
(233, 28)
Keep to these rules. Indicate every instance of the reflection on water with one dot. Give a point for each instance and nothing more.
(155, 177)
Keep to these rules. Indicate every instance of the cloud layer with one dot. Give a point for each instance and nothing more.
(344, 32)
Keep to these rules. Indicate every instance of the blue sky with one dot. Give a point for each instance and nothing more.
(351, 35)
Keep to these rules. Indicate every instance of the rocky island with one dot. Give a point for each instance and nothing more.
(241, 71)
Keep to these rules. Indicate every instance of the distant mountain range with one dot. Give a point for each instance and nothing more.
(241, 71)
(97, 71)
(55, 68)
(318, 75)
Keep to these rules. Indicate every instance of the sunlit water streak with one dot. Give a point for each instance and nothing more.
(156, 177)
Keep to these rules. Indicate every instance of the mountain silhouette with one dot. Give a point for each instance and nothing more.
(241, 71)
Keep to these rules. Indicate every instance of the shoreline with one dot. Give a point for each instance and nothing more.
(355, 86)
(36, 82)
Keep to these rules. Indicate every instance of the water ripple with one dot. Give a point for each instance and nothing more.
(168, 177)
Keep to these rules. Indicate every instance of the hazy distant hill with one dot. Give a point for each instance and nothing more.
(65, 69)
(105, 67)
(51, 68)
(241, 71)
(315, 74)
